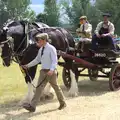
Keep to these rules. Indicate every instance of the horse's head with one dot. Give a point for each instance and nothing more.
(6, 50)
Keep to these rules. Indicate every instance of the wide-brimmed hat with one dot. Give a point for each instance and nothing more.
(42, 36)
(106, 14)
(83, 17)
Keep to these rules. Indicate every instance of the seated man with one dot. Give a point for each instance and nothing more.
(85, 30)
(104, 33)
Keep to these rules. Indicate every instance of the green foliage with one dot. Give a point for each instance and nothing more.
(51, 12)
(29, 15)
(113, 7)
(15, 9)
(41, 17)
(76, 8)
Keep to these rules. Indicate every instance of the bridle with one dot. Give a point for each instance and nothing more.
(10, 42)
(13, 54)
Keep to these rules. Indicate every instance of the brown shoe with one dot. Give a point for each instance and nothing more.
(62, 106)
(29, 107)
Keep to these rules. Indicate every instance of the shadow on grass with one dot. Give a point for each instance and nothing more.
(92, 88)
(86, 88)
(26, 115)
(8, 109)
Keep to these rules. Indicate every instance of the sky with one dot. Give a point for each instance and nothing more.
(37, 5)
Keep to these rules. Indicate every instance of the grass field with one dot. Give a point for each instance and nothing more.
(12, 83)
(94, 102)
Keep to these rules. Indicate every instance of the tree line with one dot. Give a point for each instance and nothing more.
(56, 11)
(15, 10)
(73, 9)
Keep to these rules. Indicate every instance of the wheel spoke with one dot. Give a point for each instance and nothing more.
(93, 74)
(115, 77)
(116, 83)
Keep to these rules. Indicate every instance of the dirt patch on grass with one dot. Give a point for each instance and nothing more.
(95, 102)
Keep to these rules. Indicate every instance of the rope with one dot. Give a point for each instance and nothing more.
(30, 76)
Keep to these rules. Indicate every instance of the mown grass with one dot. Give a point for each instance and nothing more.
(12, 83)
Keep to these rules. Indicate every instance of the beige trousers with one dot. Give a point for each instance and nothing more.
(53, 81)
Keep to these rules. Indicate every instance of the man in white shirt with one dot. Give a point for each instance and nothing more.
(104, 32)
(47, 55)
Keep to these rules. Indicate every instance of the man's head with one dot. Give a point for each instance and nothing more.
(106, 17)
(41, 39)
(83, 19)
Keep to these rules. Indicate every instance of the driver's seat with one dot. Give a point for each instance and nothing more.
(105, 44)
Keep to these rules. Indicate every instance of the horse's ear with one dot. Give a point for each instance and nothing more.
(5, 29)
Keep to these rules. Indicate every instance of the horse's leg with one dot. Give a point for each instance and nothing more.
(48, 91)
(29, 76)
(73, 91)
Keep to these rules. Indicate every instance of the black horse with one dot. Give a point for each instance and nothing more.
(15, 44)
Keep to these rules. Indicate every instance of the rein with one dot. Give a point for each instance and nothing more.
(14, 53)
(18, 62)
(30, 76)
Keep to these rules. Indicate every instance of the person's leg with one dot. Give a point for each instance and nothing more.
(110, 41)
(58, 90)
(94, 42)
(43, 78)
(42, 81)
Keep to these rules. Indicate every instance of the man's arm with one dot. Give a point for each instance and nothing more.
(79, 30)
(89, 30)
(53, 54)
(111, 29)
(98, 28)
(35, 61)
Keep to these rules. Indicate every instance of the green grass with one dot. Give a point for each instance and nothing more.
(12, 83)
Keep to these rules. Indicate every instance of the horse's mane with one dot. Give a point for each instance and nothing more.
(12, 23)
(40, 24)
(35, 31)
(46, 29)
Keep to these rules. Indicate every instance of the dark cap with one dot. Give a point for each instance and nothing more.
(106, 14)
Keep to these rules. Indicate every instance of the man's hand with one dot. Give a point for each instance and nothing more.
(78, 32)
(24, 66)
(84, 32)
(103, 35)
(98, 36)
(50, 72)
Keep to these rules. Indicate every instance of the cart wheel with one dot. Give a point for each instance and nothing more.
(114, 78)
(93, 74)
(66, 77)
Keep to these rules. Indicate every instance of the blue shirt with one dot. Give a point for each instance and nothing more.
(48, 59)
